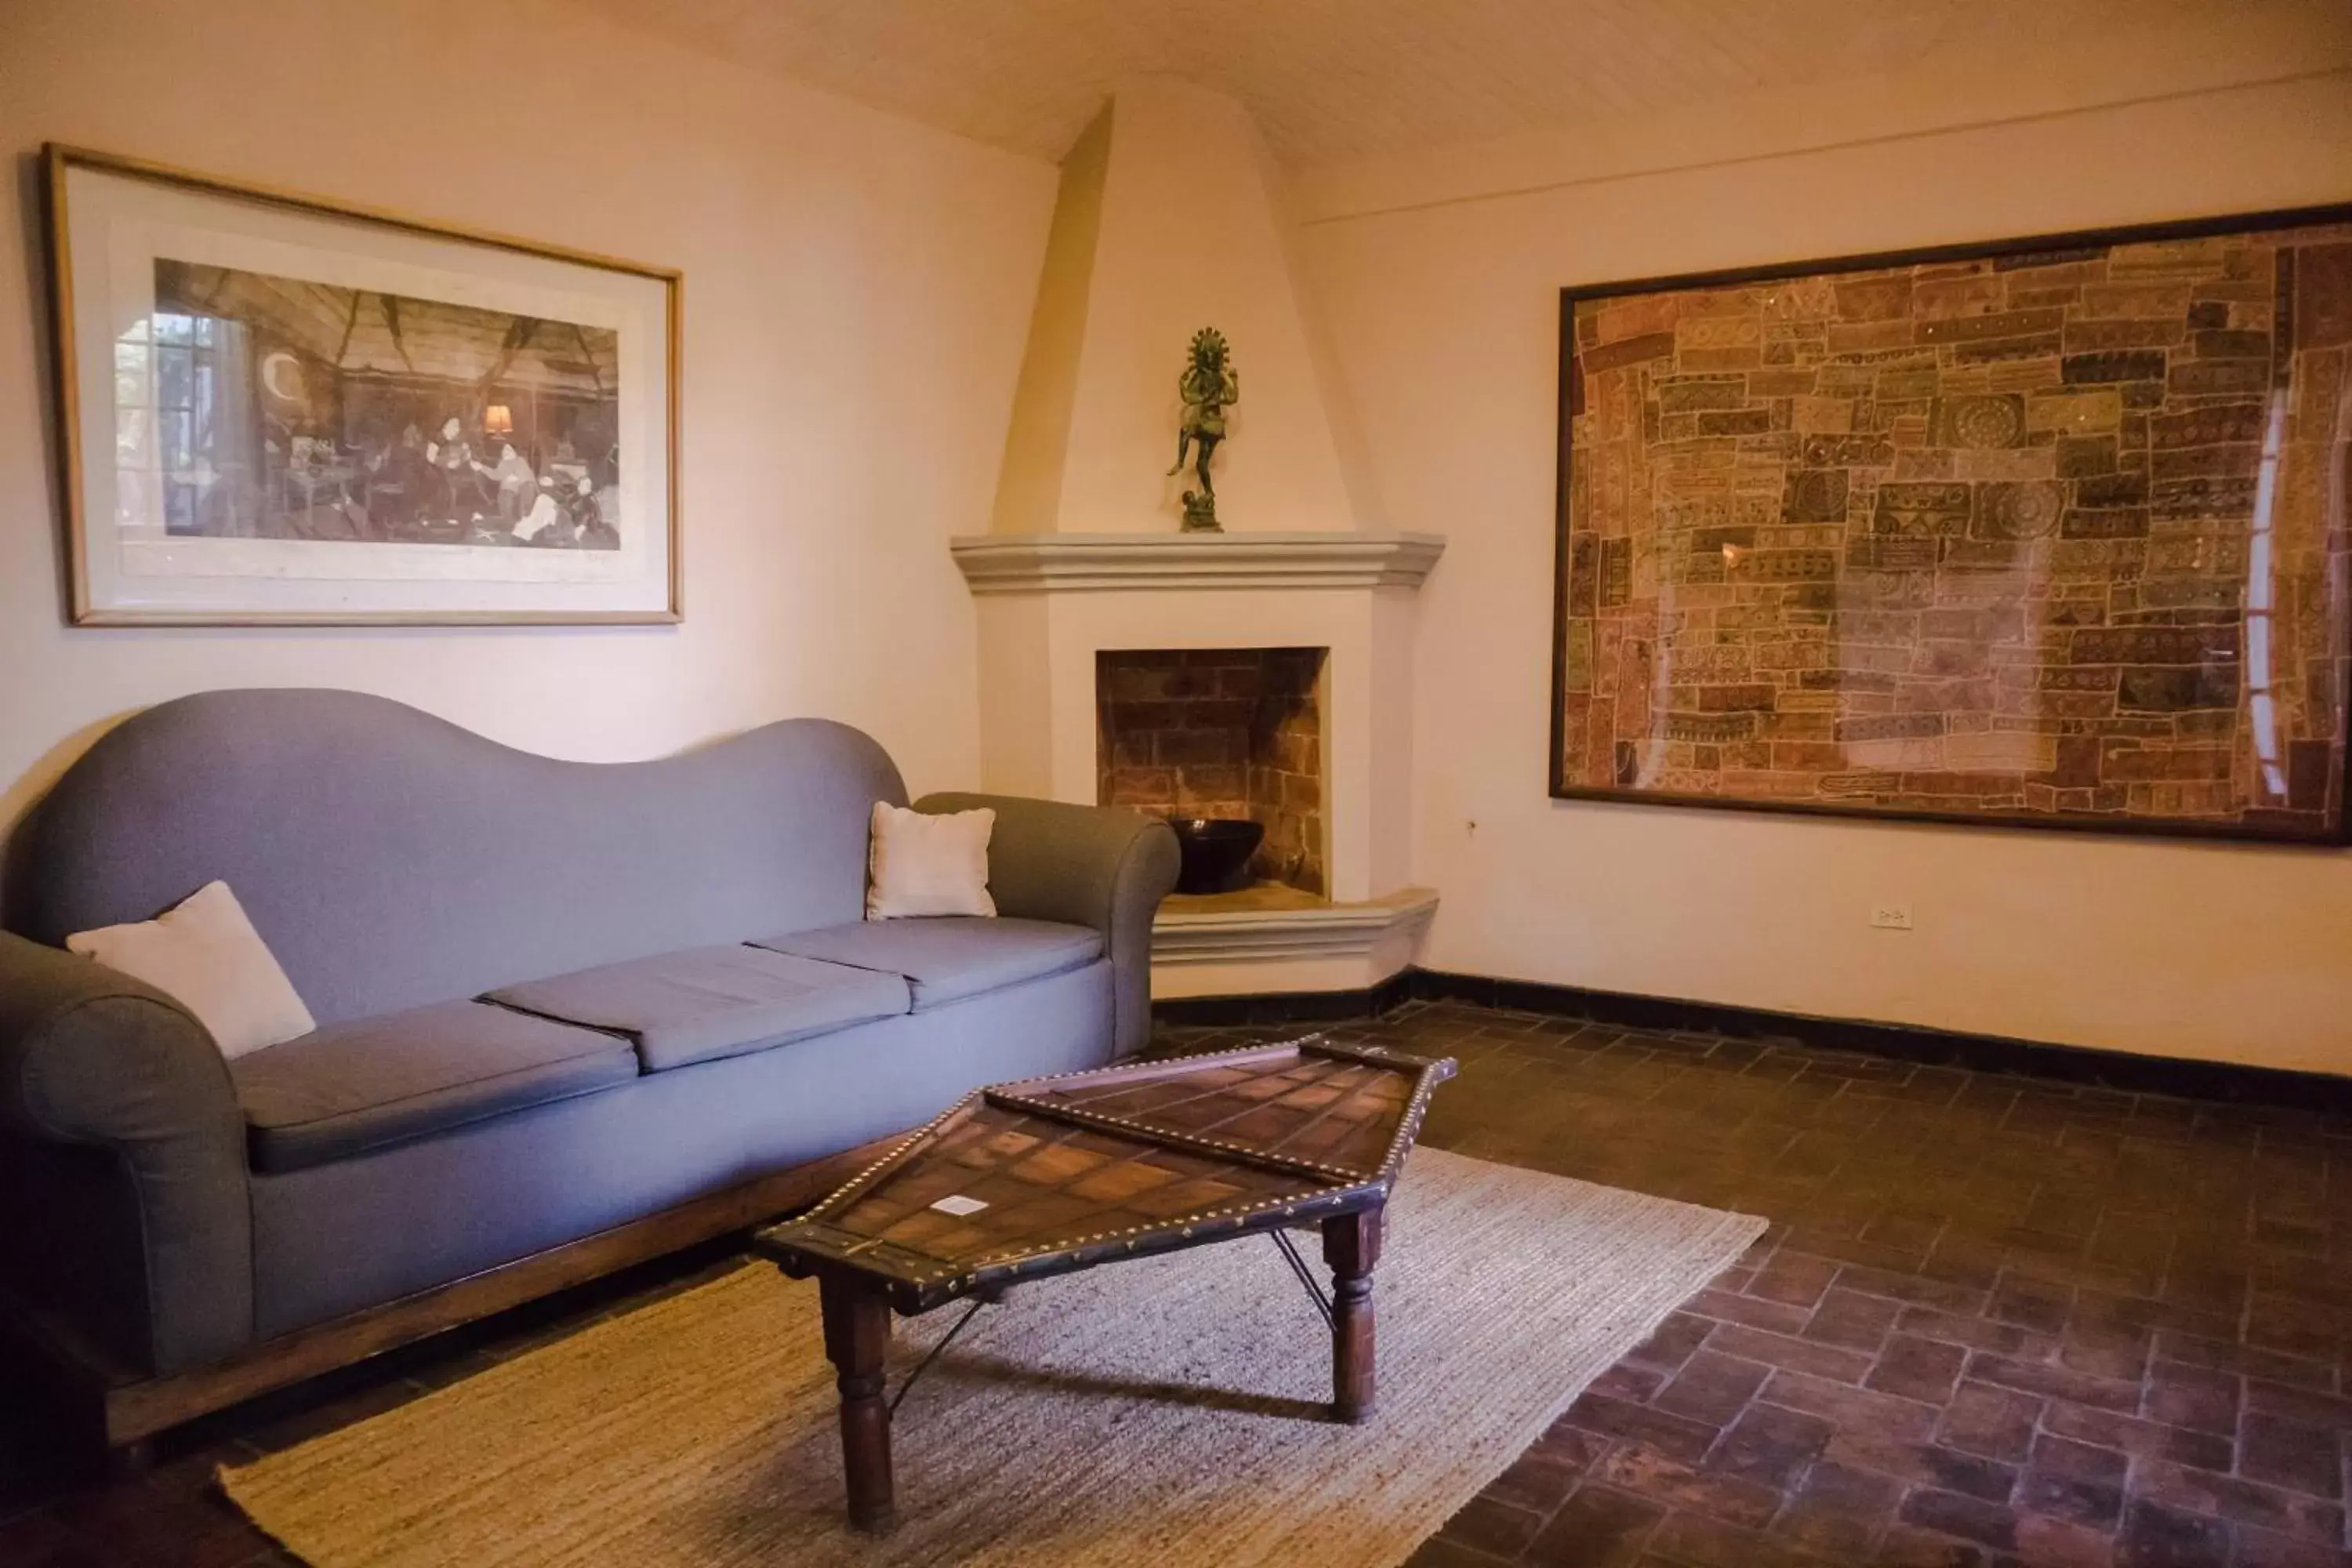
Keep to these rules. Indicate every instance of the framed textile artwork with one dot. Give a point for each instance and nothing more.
(2050, 533)
(277, 409)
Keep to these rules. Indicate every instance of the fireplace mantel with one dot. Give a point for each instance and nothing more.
(1050, 606)
(1108, 562)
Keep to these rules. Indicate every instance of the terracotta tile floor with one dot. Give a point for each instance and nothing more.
(1996, 1320)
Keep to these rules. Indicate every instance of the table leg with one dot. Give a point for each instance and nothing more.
(1351, 1246)
(856, 1333)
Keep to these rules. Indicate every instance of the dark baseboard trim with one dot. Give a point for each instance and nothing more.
(1285, 1006)
(2123, 1071)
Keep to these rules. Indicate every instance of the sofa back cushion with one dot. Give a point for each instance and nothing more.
(391, 860)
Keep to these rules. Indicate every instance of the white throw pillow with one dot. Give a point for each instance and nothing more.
(922, 863)
(207, 957)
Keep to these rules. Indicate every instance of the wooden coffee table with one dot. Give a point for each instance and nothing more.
(1024, 1181)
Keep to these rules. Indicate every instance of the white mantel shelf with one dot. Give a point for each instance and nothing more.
(1110, 563)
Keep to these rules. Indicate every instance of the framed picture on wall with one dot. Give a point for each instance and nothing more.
(2047, 533)
(277, 409)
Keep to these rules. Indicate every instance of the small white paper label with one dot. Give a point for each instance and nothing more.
(959, 1205)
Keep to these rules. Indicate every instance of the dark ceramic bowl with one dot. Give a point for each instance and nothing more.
(1216, 852)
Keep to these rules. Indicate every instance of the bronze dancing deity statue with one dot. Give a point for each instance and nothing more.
(1208, 387)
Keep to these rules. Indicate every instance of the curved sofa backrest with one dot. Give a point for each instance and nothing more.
(391, 858)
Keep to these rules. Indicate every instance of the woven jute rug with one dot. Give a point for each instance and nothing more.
(1165, 1412)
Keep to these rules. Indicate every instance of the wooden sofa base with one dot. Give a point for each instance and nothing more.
(127, 1411)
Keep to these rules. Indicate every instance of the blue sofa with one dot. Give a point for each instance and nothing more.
(569, 1015)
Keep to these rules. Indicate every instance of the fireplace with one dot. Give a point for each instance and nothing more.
(1234, 732)
(1262, 675)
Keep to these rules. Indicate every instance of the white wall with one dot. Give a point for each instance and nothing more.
(1446, 308)
(857, 293)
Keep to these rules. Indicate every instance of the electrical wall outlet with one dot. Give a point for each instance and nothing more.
(1891, 916)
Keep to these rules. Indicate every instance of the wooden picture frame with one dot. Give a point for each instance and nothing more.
(279, 409)
(2046, 532)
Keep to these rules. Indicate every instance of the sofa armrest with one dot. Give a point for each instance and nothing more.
(116, 1092)
(1103, 866)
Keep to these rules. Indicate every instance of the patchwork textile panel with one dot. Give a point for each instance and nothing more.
(2052, 534)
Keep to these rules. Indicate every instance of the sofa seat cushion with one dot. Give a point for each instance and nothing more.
(349, 1088)
(679, 1008)
(950, 957)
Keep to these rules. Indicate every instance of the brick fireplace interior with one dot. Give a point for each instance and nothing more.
(1220, 732)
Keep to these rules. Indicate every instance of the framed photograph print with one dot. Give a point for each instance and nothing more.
(276, 409)
(2052, 533)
